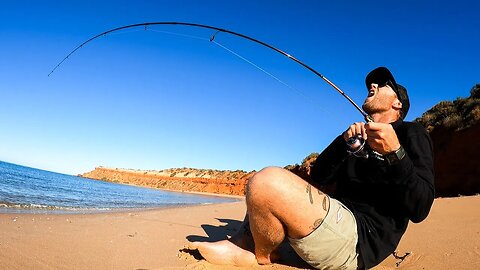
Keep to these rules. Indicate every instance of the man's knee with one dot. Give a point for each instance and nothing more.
(265, 183)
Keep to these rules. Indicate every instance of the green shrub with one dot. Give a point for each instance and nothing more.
(459, 114)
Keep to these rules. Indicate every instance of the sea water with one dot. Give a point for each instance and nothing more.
(24, 189)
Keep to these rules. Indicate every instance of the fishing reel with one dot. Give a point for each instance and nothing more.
(357, 146)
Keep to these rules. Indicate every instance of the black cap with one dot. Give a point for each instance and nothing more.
(382, 76)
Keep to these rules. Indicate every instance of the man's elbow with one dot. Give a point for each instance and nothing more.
(419, 218)
(422, 211)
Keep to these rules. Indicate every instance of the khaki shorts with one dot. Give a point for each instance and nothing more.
(333, 244)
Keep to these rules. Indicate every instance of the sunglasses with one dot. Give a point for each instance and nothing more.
(389, 83)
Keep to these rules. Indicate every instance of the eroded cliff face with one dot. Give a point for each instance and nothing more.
(456, 161)
(454, 127)
(189, 180)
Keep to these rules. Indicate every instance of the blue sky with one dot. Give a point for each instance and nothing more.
(167, 97)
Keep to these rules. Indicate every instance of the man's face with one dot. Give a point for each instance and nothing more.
(379, 99)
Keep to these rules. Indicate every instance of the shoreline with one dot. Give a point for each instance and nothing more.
(60, 210)
(23, 211)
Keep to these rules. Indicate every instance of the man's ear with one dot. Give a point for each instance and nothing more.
(397, 104)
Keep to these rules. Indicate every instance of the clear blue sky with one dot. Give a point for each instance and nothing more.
(154, 100)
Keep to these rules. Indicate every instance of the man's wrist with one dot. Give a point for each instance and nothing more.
(395, 156)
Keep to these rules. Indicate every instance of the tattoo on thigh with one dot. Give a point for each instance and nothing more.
(309, 191)
(324, 203)
(317, 223)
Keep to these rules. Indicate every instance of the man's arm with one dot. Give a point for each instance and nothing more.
(328, 162)
(415, 173)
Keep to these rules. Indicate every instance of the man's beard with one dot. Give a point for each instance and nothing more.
(377, 105)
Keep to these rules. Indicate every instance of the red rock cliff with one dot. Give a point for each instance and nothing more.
(191, 180)
(457, 161)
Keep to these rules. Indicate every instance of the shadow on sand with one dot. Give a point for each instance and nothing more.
(229, 228)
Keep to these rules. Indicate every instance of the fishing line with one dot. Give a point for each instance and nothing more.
(234, 53)
(212, 39)
(125, 32)
(258, 67)
(268, 73)
(178, 34)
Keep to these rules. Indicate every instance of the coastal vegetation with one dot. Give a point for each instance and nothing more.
(458, 114)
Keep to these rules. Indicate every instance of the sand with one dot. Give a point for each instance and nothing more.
(153, 239)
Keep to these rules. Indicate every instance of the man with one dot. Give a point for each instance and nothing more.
(379, 187)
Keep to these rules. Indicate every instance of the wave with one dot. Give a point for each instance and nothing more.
(33, 207)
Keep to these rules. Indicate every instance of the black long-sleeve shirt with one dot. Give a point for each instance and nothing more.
(382, 197)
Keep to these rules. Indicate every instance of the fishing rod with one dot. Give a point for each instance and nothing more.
(218, 30)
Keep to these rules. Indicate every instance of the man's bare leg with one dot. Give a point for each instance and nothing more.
(282, 204)
(244, 239)
(279, 203)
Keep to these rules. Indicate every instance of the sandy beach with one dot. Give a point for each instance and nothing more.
(153, 239)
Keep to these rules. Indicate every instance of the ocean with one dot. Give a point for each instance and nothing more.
(24, 189)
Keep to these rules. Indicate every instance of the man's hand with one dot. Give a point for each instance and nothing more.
(382, 137)
(354, 129)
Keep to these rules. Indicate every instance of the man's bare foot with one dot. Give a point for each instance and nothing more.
(273, 257)
(224, 252)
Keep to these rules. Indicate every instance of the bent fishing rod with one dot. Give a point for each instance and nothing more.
(218, 30)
